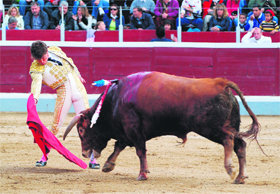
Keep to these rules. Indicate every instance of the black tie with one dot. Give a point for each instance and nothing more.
(55, 61)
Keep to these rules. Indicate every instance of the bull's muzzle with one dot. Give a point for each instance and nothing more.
(87, 153)
(96, 154)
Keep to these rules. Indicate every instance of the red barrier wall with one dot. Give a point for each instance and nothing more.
(256, 71)
(128, 36)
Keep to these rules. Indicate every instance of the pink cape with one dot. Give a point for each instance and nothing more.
(44, 138)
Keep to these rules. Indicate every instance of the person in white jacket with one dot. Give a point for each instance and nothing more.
(257, 38)
(83, 20)
(14, 12)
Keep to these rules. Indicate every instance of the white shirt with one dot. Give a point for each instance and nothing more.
(194, 4)
(263, 40)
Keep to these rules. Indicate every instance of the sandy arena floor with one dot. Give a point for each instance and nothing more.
(195, 168)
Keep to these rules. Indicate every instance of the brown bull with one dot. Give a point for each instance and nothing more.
(150, 104)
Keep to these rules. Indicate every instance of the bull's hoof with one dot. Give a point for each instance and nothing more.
(142, 177)
(240, 180)
(230, 171)
(108, 166)
(232, 175)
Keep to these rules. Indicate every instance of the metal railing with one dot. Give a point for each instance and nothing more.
(121, 26)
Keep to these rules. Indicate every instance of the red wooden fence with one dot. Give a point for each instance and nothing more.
(255, 70)
(128, 36)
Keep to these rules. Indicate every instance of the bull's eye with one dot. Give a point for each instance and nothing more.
(81, 131)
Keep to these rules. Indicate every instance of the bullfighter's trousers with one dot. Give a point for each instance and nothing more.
(71, 92)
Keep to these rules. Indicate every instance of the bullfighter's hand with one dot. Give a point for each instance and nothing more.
(35, 101)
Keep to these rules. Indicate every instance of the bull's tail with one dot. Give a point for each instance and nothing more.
(255, 126)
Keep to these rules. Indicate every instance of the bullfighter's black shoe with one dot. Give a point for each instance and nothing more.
(94, 165)
(41, 163)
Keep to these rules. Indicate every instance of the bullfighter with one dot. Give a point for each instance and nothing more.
(52, 67)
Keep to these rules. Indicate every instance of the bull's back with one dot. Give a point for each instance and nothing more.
(164, 104)
(160, 91)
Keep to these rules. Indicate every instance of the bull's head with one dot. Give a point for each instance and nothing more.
(92, 139)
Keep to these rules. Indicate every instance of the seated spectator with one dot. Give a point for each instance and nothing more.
(100, 26)
(24, 6)
(67, 15)
(76, 5)
(147, 6)
(242, 22)
(208, 11)
(167, 25)
(36, 19)
(257, 38)
(12, 24)
(140, 20)
(243, 6)
(269, 25)
(14, 12)
(255, 18)
(261, 3)
(50, 6)
(160, 33)
(220, 20)
(191, 14)
(112, 19)
(125, 4)
(166, 10)
(83, 20)
(100, 7)
(232, 7)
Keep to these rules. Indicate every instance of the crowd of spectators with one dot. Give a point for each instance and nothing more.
(192, 15)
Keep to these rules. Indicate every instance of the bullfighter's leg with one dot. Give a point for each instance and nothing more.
(62, 106)
(240, 150)
(43, 161)
(79, 95)
(111, 161)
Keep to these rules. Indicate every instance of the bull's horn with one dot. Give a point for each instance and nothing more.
(71, 125)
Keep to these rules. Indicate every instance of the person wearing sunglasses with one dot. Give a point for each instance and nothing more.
(112, 19)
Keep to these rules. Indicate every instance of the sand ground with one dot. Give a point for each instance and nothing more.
(195, 168)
